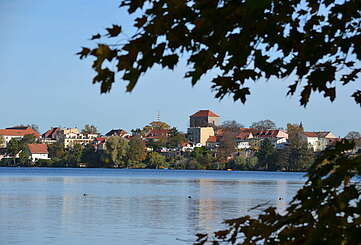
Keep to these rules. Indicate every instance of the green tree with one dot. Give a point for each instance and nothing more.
(91, 157)
(56, 150)
(28, 139)
(73, 155)
(300, 158)
(265, 154)
(263, 125)
(137, 150)
(156, 160)
(160, 125)
(2, 141)
(89, 129)
(13, 148)
(117, 148)
(176, 140)
(24, 158)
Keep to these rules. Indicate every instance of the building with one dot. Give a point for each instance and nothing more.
(71, 136)
(99, 143)
(318, 141)
(213, 142)
(200, 135)
(17, 133)
(117, 132)
(270, 134)
(203, 118)
(38, 151)
(243, 139)
(51, 136)
(156, 134)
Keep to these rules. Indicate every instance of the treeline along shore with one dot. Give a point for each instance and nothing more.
(206, 145)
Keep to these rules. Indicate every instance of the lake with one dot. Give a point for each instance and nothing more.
(125, 206)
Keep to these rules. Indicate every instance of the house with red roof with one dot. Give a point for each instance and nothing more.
(51, 136)
(117, 132)
(318, 141)
(17, 133)
(156, 134)
(242, 137)
(99, 143)
(213, 141)
(38, 151)
(203, 118)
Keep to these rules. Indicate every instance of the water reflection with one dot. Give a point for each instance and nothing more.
(134, 209)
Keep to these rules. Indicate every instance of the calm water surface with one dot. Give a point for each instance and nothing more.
(47, 205)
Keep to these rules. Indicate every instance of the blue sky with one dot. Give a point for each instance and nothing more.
(43, 82)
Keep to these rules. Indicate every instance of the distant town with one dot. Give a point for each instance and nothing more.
(207, 144)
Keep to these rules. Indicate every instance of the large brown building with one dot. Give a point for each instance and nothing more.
(203, 118)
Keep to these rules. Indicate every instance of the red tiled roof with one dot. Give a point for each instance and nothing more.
(19, 132)
(50, 133)
(247, 130)
(323, 134)
(219, 132)
(38, 148)
(212, 139)
(310, 134)
(244, 135)
(204, 113)
(266, 133)
(118, 132)
(157, 133)
(100, 139)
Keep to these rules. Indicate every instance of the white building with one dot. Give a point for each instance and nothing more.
(16, 133)
(38, 151)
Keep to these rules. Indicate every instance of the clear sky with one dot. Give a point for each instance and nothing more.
(43, 82)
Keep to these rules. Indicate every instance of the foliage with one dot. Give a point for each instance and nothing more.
(56, 150)
(137, 151)
(89, 129)
(117, 148)
(312, 42)
(28, 139)
(156, 160)
(353, 135)
(263, 125)
(91, 157)
(295, 135)
(24, 158)
(326, 210)
(231, 124)
(155, 125)
(2, 141)
(74, 154)
(159, 125)
(176, 140)
(265, 154)
(227, 144)
(13, 148)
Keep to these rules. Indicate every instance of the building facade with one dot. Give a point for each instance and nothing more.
(203, 118)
